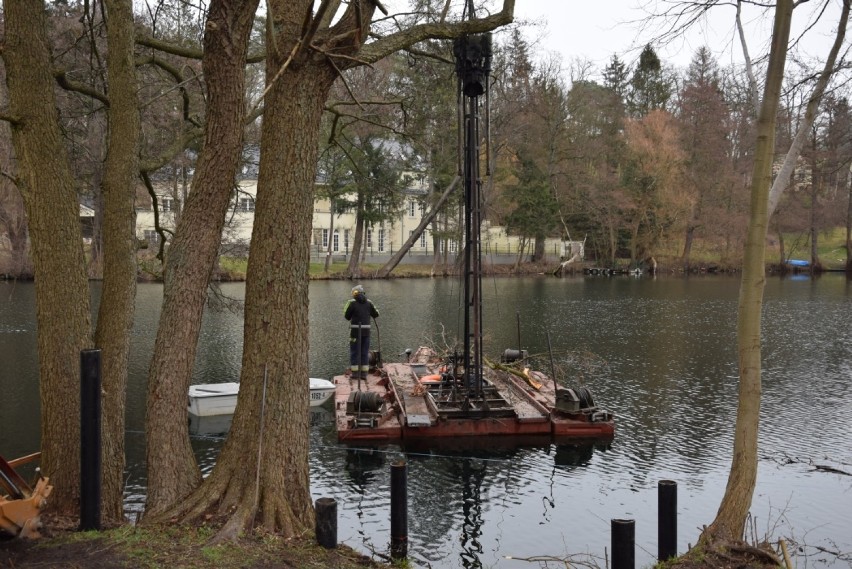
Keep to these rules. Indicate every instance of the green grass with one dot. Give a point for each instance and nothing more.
(831, 247)
(183, 547)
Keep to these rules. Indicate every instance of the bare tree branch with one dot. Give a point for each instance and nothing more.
(373, 52)
(68, 85)
(781, 180)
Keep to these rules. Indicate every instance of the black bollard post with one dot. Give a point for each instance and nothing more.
(326, 523)
(399, 510)
(666, 519)
(90, 440)
(623, 544)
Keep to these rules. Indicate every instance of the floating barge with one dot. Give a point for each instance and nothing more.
(417, 400)
(432, 399)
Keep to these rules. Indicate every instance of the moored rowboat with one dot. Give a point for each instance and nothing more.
(208, 399)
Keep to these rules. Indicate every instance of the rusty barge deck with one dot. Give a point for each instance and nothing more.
(403, 401)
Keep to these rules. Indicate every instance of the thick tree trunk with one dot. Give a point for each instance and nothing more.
(353, 269)
(263, 471)
(733, 510)
(172, 470)
(50, 199)
(538, 248)
(115, 314)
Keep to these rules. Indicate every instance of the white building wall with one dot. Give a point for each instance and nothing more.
(240, 220)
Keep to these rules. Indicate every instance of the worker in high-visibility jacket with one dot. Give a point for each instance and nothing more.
(358, 311)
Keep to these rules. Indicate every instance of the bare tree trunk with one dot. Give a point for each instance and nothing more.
(613, 239)
(61, 285)
(437, 242)
(427, 219)
(353, 269)
(172, 470)
(262, 471)
(849, 223)
(733, 510)
(687, 246)
(816, 265)
(522, 245)
(782, 254)
(115, 314)
(96, 256)
(328, 249)
(538, 248)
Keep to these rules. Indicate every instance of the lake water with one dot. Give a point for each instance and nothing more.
(659, 353)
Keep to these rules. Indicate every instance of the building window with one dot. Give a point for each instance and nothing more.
(381, 240)
(336, 244)
(411, 205)
(423, 240)
(369, 238)
(325, 239)
(167, 204)
(346, 239)
(246, 204)
(152, 237)
(452, 246)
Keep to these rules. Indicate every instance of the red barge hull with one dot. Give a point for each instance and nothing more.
(399, 403)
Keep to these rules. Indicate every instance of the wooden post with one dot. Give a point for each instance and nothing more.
(623, 544)
(90, 440)
(326, 522)
(666, 519)
(399, 510)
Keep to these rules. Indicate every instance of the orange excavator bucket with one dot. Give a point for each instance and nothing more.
(20, 504)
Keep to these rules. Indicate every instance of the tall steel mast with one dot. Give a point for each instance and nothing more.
(473, 67)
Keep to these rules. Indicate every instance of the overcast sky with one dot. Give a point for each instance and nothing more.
(594, 30)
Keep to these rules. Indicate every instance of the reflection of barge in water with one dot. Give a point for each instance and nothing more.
(415, 401)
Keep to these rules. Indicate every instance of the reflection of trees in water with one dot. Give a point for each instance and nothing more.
(212, 426)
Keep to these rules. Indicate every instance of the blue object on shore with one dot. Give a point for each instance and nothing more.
(797, 262)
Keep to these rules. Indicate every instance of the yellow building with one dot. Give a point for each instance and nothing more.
(338, 230)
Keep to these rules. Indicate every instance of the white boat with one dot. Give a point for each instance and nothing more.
(321, 390)
(207, 399)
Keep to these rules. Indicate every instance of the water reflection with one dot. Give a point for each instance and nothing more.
(215, 425)
(660, 353)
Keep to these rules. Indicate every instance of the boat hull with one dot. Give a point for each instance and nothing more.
(408, 411)
(214, 399)
(207, 400)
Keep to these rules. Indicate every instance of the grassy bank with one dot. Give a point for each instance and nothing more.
(174, 547)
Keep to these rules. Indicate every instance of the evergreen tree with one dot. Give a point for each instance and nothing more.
(534, 215)
(704, 120)
(616, 79)
(650, 89)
